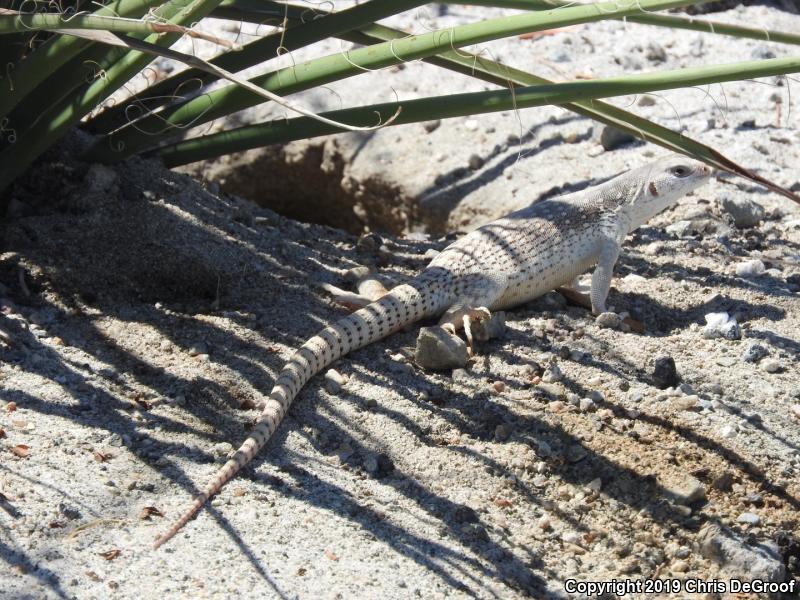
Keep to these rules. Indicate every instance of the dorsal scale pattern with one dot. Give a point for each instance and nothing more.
(507, 262)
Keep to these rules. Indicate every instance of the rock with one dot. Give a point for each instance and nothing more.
(608, 320)
(772, 365)
(755, 499)
(646, 100)
(748, 518)
(198, 348)
(369, 242)
(502, 433)
(721, 325)
(471, 125)
(611, 138)
(680, 566)
(334, 381)
(685, 491)
(69, 512)
(438, 350)
(655, 53)
(686, 402)
(728, 432)
(679, 229)
(744, 211)
(586, 404)
(760, 560)
(723, 482)
(431, 126)
(754, 353)
(725, 361)
(552, 374)
(475, 162)
(750, 268)
(665, 374)
(222, 449)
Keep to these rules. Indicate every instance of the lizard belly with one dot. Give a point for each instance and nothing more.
(545, 274)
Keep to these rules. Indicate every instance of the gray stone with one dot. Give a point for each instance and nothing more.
(721, 325)
(475, 162)
(744, 211)
(754, 353)
(772, 365)
(608, 320)
(750, 268)
(438, 350)
(611, 138)
(679, 229)
(665, 374)
(685, 491)
(760, 560)
(748, 518)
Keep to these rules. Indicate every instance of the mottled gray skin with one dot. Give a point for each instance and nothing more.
(505, 263)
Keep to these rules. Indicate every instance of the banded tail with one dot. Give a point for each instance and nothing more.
(403, 306)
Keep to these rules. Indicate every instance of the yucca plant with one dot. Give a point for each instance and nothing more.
(46, 92)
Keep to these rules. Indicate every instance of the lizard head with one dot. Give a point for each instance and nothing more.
(663, 182)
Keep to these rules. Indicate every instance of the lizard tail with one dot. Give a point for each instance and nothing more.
(402, 306)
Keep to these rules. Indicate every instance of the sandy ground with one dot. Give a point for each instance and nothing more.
(144, 316)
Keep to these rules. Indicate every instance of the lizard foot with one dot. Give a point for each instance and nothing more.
(369, 289)
(456, 318)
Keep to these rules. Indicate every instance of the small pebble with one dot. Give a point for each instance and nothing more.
(608, 320)
(502, 433)
(222, 449)
(586, 404)
(552, 374)
(471, 124)
(721, 325)
(685, 491)
(334, 381)
(665, 374)
(198, 348)
(728, 431)
(744, 211)
(748, 518)
(680, 566)
(772, 365)
(750, 268)
(754, 353)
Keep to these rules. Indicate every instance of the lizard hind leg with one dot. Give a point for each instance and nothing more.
(460, 316)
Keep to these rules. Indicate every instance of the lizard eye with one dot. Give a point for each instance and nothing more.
(680, 171)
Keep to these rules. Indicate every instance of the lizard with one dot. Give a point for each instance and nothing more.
(500, 265)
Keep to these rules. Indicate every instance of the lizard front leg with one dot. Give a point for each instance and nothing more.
(601, 278)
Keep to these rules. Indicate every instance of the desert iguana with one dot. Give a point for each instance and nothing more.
(505, 263)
